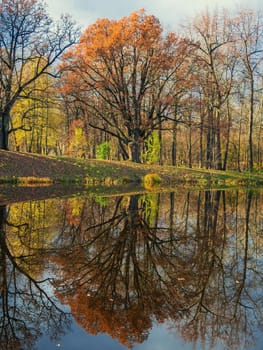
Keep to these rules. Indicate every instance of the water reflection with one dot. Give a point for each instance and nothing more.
(193, 259)
(27, 307)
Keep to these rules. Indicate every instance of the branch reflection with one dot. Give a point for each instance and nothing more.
(28, 308)
(188, 260)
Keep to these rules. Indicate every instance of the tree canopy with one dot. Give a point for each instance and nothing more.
(120, 72)
(190, 98)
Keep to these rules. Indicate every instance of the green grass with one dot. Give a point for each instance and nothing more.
(31, 169)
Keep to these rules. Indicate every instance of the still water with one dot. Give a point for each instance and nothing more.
(151, 271)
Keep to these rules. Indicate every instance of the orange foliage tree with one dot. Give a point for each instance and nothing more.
(120, 72)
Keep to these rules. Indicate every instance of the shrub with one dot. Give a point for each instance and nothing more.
(151, 180)
(151, 153)
(103, 150)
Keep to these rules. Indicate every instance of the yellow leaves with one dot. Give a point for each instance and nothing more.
(151, 180)
(35, 120)
(77, 138)
(78, 132)
(30, 229)
(74, 208)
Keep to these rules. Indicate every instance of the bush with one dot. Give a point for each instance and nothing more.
(151, 180)
(103, 150)
(152, 150)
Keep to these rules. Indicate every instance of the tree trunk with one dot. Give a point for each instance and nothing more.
(134, 151)
(209, 147)
(161, 144)
(174, 144)
(134, 146)
(122, 150)
(227, 136)
(4, 131)
(259, 144)
(218, 142)
(251, 122)
(239, 145)
(201, 161)
(190, 143)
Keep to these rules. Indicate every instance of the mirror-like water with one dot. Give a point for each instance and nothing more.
(153, 271)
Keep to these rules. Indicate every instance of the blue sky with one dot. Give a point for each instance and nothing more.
(169, 12)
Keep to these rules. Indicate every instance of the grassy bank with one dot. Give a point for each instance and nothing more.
(31, 169)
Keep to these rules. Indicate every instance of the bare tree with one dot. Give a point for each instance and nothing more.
(215, 59)
(249, 30)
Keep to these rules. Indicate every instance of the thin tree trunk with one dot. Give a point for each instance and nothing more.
(227, 136)
(209, 143)
(201, 161)
(161, 144)
(174, 144)
(239, 145)
(218, 141)
(190, 143)
(251, 122)
(259, 146)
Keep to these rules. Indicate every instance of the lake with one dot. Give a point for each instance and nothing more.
(148, 271)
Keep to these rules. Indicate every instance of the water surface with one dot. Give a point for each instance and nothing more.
(148, 271)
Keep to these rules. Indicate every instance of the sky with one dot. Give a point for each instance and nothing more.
(171, 13)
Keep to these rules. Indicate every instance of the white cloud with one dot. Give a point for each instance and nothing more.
(170, 12)
(86, 12)
(173, 12)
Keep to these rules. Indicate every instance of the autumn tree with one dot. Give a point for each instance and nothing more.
(192, 258)
(24, 241)
(124, 65)
(38, 124)
(77, 139)
(215, 66)
(27, 35)
(114, 278)
(249, 32)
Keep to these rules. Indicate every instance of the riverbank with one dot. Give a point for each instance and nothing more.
(31, 169)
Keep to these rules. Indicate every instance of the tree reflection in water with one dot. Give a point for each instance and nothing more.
(189, 260)
(193, 259)
(27, 307)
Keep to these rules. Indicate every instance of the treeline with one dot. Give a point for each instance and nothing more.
(127, 89)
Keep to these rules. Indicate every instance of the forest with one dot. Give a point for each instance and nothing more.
(128, 89)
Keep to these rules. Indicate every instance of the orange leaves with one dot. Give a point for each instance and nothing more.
(124, 65)
(111, 51)
(141, 30)
(137, 30)
(100, 38)
(114, 49)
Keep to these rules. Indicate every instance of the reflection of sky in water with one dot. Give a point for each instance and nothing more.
(160, 338)
(229, 274)
(77, 339)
